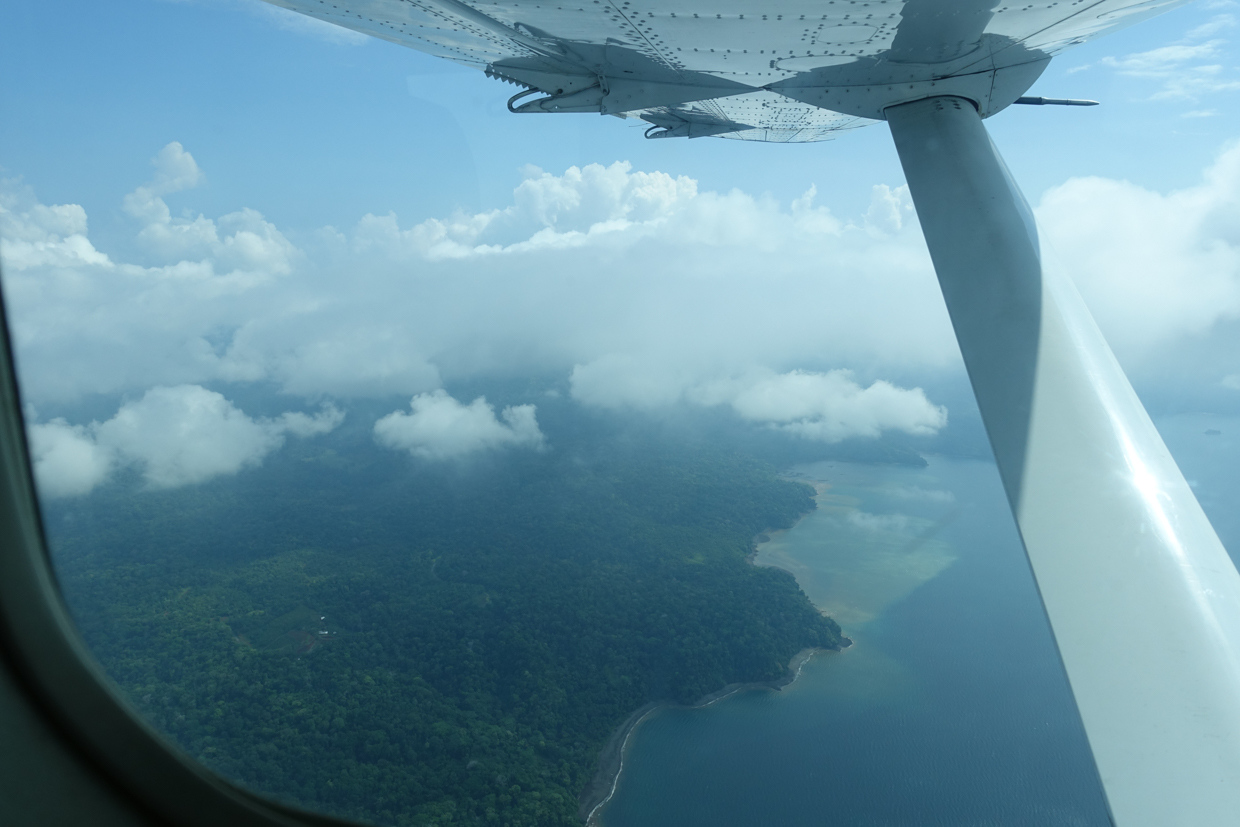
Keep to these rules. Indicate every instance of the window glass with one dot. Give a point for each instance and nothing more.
(419, 462)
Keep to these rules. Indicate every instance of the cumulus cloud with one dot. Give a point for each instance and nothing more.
(175, 170)
(304, 425)
(241, 244)
(35, 236)
(439, 427)
(198, 255)
(824, 407)
(890, 209)
(597, 262)
(582, 207)
(829, 407)
(1153, 267)
(642, 288)
(187, 434)
(174, 435)
(84, 323)
(67, 460)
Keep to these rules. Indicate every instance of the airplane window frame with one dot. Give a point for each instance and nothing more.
(55, 672)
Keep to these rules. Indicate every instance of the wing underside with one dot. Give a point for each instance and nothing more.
(733, 68)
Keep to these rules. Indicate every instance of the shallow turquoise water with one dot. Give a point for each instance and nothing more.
(950, 709)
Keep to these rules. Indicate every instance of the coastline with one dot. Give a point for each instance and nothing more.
(611, 759)
(764, 537)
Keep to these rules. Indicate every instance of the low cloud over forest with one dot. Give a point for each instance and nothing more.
(639, 289)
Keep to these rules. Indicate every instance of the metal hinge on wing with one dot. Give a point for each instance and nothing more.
(565, 92)
(589, 99)
(585, 91)
(558, 97)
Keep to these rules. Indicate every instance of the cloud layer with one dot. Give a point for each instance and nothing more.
(640, 288)
(824, 407)
(599, 262)
(174, 435)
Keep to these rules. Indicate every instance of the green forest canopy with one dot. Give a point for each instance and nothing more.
(358, 632)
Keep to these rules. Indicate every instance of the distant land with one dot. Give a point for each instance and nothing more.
(354, 631)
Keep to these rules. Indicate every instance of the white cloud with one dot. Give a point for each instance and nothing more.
(175, 170)
(1232, 381)
(1220, 23)
(174, 435)
(1187, 70)
(643, 288)
(343, 358)
(33, 235)
(825, 407)
(600, 262)
(1163, 61)
(187, 434)
(831, 406)
(240, 243)
(622, 381)
(304, 425)
(1153, 267)
(889, 209)
(582, 207)
(85, 323)
(67, 460)
(440, 428)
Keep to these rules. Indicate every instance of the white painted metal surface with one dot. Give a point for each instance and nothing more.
(1143, 599)
(792, 71)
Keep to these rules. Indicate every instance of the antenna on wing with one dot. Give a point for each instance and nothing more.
(1054, 102)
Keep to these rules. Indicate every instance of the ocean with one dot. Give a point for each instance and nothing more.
(951, 707)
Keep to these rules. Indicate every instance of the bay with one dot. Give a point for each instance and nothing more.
(951, 707)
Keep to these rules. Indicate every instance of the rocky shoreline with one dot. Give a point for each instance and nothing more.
(611, 760)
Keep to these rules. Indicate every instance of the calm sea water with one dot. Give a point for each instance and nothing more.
(950, 709)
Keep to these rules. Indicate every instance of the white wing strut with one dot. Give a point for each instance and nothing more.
(1143, 600)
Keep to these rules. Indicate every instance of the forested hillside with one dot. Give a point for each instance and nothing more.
(409, 643)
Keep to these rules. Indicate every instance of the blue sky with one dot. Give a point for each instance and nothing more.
(203, 197)
(313, 129)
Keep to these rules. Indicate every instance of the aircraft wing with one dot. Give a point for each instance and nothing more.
(690, 68)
